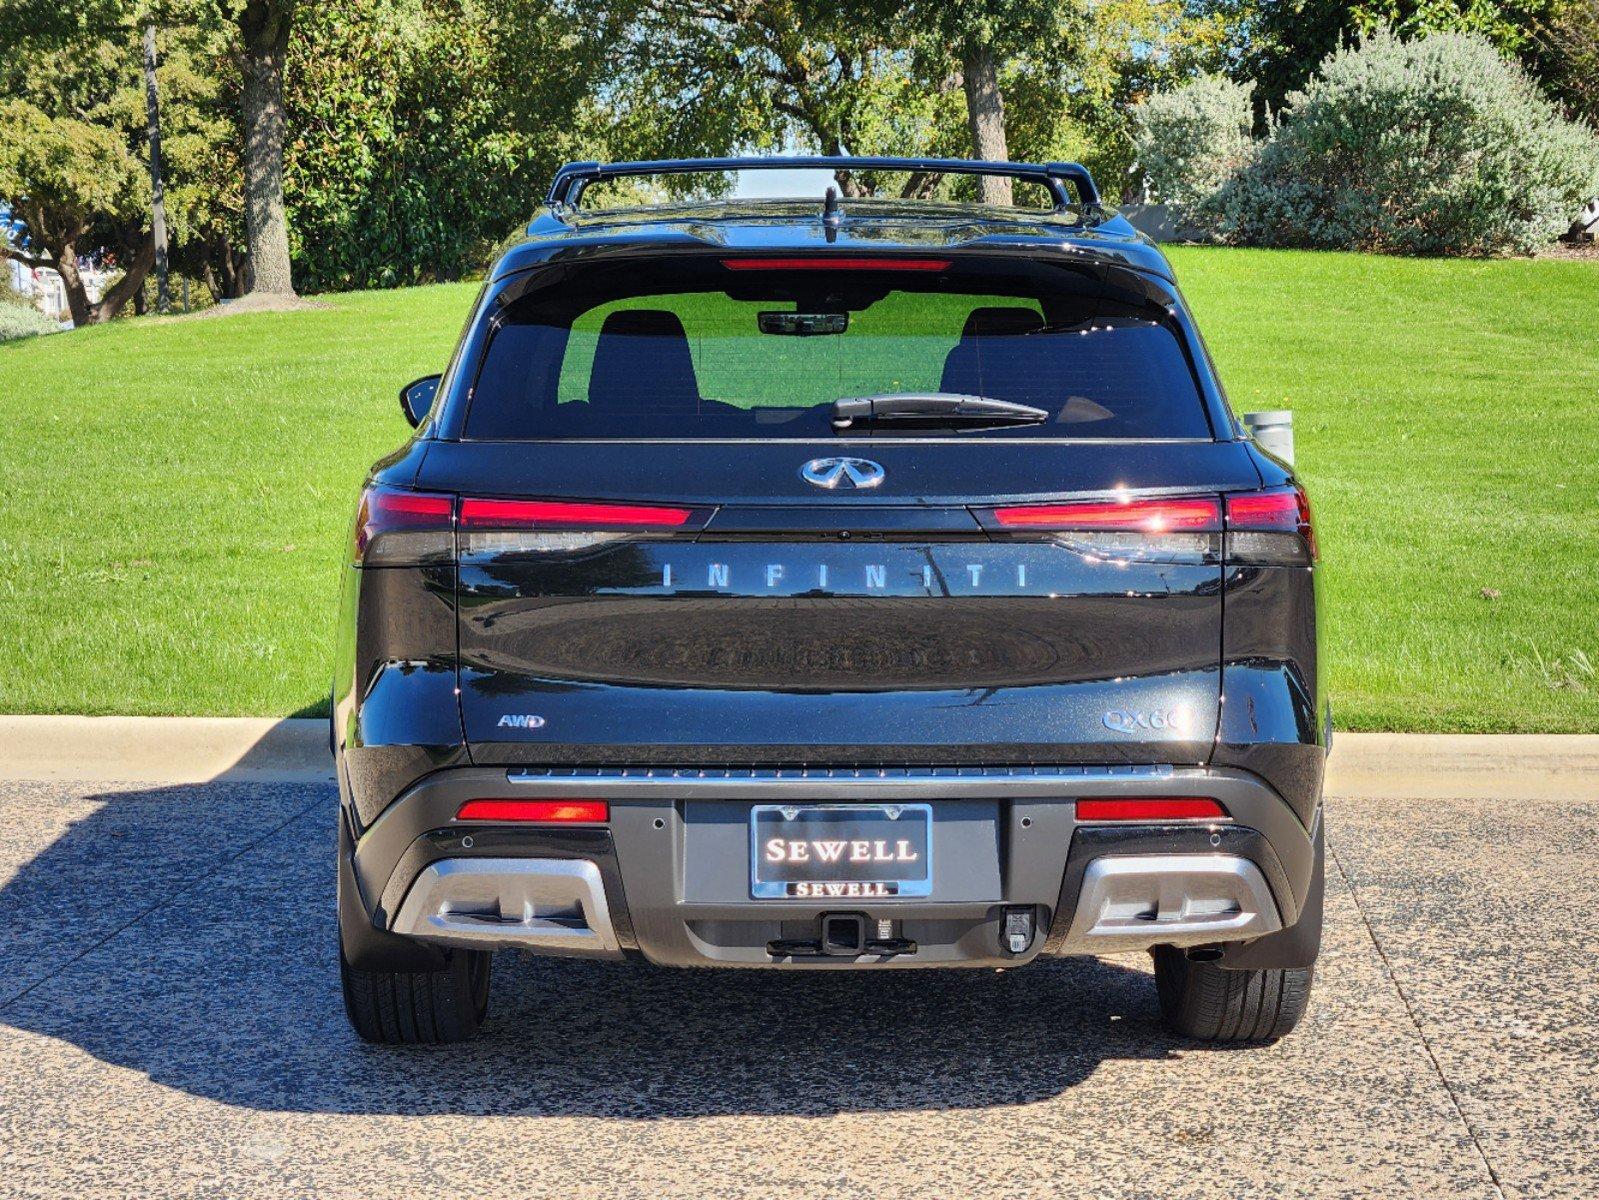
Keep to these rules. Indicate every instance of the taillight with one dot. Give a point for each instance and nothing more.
(1200, 514)
(836, 263)
(493, 527)
(1174, 529)
(397, 528)
(546, 812)
(1153, 808)
(562, 514)
(1272, 527)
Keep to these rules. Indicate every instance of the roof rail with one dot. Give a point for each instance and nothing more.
(571, 179)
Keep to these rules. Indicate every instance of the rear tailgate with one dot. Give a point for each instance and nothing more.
(781, 625)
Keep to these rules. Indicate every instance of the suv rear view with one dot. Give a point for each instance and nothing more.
(809, 586)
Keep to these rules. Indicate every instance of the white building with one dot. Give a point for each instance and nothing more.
(44, 287)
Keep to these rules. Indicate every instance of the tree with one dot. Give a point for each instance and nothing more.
(1132, 50)
(743, 73)
(1565, 57)
(422, 132)
(65, 176)
(985, 40)
(1290, 38)
(201, 151)
(82, 63)
(264, 39)
(716, 76)
(881, 76)
(68, 163)
(985, 114)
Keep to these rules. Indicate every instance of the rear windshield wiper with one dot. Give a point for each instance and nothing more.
(932, 409)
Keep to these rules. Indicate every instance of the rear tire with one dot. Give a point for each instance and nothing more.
(1204, 1001)
(407, 1008)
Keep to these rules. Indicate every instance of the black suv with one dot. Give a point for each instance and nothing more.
(830, 585)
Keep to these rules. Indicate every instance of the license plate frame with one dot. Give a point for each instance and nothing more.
(876, 879)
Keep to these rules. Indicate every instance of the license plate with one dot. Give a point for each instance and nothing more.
(841, 851)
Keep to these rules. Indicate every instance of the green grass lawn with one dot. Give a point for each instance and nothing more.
(174, 496)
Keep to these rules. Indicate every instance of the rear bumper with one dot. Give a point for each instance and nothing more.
(667, 879)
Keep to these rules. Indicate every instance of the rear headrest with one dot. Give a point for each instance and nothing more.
(988, 322)
(964, 368)
(642, 361)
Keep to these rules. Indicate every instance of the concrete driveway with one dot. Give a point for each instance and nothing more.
(170, 1025)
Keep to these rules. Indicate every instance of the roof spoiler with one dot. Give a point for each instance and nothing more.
(571, 179)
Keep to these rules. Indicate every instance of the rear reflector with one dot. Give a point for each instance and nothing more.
(835, 264)
(552, 812)
(550, 514)
(1194, 515)
(1159, 808)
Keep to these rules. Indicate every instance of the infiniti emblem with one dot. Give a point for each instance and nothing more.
(842, 473)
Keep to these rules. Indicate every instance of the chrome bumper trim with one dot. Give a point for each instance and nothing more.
(750, 783)
(552, 905)
(1143, 900)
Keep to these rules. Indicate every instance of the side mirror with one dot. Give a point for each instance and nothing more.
(416, 398)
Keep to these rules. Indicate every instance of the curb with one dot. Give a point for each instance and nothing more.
(1399, 766)
(165, 749)
(1471, 766)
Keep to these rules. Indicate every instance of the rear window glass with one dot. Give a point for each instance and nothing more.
(689, 348)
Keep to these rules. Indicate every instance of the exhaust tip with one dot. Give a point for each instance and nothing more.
(1204, 954)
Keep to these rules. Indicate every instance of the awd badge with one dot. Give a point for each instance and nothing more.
(521, 721)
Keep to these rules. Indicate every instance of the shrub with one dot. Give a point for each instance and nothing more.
(1192, 140)
(1434, 146)
(23, 320)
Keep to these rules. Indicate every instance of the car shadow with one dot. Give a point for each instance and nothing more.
(187, 933)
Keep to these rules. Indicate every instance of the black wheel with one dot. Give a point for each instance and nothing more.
(1201, 1000)
(403, 1008)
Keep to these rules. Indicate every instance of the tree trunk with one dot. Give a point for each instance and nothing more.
(208, 276)
(158, 200)
(66, 266)
(849, 186)
(237, 270)
(264, 26)
(132, 281)
(985, 116)
(919, 185)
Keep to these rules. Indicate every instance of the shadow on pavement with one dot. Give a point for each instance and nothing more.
(187, 933)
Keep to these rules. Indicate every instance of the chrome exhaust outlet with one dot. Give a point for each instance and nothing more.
(553, 905)
(1144, 900)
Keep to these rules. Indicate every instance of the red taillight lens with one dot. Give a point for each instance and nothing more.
(1277, 510)
(560, 514)
(396, 528)
(832, 263)
(1157, 808)
(549, 812)
(1200, 514)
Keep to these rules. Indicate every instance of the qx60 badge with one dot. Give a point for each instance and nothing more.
(834, 473)
(1157, 720)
